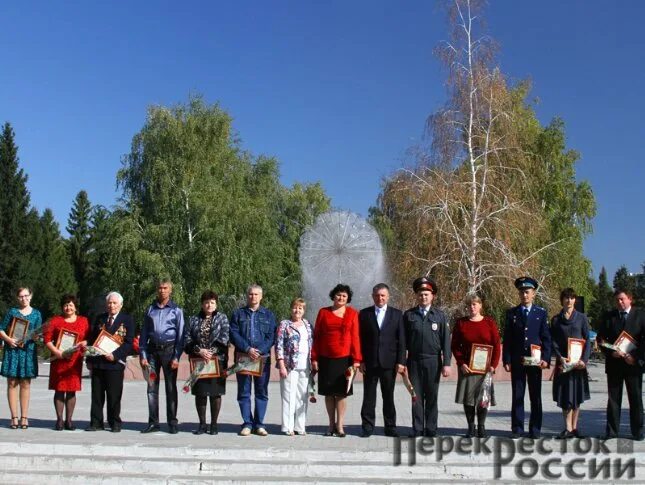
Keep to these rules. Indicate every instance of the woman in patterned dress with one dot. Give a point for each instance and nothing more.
(206, 336)
(293, 355)
(65, 371)
(20, 362)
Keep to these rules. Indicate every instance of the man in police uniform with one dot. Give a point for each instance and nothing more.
(526, 325)
(427, 337)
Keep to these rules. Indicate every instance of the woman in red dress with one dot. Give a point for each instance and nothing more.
(65, 371)
(336, 346)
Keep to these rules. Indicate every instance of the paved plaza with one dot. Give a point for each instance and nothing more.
(41, 454)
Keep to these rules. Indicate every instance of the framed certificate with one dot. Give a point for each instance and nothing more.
(18, 328)
(536, 352)
(210, 367)
(251, 367)
(66, 340)
(625, 343)
(480, 357)
(106, 343)
(575, 346)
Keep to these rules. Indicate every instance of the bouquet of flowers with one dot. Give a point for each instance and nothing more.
(91, 351)
(194, 375)
(311, 387)
(149, 375)
(486, 391)
(350, 373)
(67, 353)
(409, 386)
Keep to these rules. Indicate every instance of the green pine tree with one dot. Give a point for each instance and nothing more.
(15, 246)
(79, 246)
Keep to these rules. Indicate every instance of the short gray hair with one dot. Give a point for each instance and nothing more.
(116, 294)
(254, 286)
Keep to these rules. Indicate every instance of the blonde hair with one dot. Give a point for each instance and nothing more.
(298, 301)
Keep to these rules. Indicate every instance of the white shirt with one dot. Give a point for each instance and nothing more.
(303, 349)
(380, 315)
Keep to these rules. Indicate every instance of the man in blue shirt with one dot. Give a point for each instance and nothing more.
(252, 332)
(160, 347)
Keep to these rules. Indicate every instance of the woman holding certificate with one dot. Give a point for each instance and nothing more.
(476, 347)
(20, 362)
(570, 343)
(206, 339)
(336, 355)
(65, 337)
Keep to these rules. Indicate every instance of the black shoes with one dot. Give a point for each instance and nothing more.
(391, 432)
(201, 429)
(470, 433)
(116, 428)
(69, 426)
(151, 428)
(534, 435)
(94, 427)
(172, 429)
(565, 435)
(213, 429)
(367, 433)
(516, 435)
(59, 425)
(481, 431)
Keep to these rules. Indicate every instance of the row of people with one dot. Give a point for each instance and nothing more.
(379, 340)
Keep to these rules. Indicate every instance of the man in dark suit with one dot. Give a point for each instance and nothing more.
(622, 366)
(427, 341)
(526, 326)
(107, 371)
(383, 345)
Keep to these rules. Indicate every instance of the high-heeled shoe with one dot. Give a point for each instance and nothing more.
(69, 426)
(340, 434)
(14, 425)
(213, 429)
(201, 429)
(59, 425)
(24, 422)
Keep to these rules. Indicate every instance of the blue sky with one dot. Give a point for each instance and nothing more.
(336, 90)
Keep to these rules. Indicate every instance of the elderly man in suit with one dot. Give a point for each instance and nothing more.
(383, 345)
(526, 328)
(623, 366)
(107, 371)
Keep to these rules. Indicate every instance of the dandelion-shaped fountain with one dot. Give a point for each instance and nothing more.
(341, 247)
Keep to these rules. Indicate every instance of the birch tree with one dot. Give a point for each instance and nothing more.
(466, 212)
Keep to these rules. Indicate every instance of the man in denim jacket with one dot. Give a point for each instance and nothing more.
(252, 332)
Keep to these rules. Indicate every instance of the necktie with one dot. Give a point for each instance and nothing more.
(425, 312)
(110, 321)
(525, 313)
(623, 317)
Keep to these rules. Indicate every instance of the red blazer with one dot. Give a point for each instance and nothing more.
(467, 332)
(336, 337)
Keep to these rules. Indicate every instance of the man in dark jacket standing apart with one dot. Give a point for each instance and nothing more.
(253, 333)
(526, 326)
(622, 366)
(383, 346)
(427, 338)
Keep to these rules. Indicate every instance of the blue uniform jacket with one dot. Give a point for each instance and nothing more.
(520, 335)
(265, 330)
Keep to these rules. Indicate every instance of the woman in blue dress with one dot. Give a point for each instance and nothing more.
(20, 362)
(570, 389)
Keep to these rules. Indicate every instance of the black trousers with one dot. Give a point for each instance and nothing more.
(160, 358)
(634, 385)
(521, 376)
(106, 384)
(424, 376)
(370, 380)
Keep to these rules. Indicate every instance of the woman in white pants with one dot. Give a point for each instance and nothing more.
(293, 349)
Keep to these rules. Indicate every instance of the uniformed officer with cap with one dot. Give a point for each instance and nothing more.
(526, 326)
(427, 336)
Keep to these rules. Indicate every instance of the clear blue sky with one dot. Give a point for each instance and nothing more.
(336, 90)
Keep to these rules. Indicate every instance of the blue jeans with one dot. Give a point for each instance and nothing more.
(160, 359)
(261, 385)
